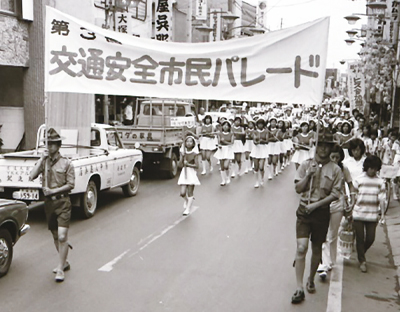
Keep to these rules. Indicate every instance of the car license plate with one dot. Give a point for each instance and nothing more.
(28, 194)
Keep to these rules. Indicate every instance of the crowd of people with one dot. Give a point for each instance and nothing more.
(337, 156)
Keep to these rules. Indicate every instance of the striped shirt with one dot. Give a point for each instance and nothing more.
(370, 191)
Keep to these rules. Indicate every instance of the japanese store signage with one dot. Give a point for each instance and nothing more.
(163, 21)
(216, 24)
(356, 86)
(282, 66)
(182, 121)
(122, 22)
(201, 10)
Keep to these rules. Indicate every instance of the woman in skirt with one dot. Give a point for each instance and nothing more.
(288, 142)
(281, 135)
(191, 130)
(248, 146)
(260, 150)
(313, 134)
(343, 137)
(207, 143)
(225, 152)
(274, 148)
(238, 147)
(188, 178)
(302, 145)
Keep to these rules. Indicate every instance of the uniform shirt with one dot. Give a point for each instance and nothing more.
(326, 181)
(225, 138)
(238, 132)
(60, 172)
(370, 191)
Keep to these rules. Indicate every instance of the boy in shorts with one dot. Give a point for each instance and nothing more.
(58, 180)
(313, 214)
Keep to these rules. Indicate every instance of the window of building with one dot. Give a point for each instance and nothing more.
(8, 6)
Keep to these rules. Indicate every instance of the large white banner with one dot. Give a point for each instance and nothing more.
(281, 66)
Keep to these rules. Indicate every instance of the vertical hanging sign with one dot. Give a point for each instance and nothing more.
(122, 22)
(215, 22)
(163, 20)
(201, 10)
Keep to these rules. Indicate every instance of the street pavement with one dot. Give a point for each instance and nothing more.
(233, 253)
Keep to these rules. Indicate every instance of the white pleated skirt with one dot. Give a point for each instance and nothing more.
(224, 152)
(188, 178)
(274, 148)
(248, 145)
(300, 155)
(259, 151)
(288, 144)
(207, 144)
(238, 146)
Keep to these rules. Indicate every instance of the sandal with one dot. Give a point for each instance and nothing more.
(310, 287)
(298, 296)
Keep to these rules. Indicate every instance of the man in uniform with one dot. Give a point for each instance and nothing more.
(58, 180)
(319, 182)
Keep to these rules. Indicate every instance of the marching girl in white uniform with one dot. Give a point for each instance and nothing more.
(288, 142)
(274, 148)
(259, 152)
(238, 147)
(188, 177)
(302, 145)
(224, 152)
(281, 135)
(191, 130)
(248, 145)
(343, 137)
(312, 133)
(207, 143)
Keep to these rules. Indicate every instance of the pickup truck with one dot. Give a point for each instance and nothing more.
(157, 128)
(107, 165)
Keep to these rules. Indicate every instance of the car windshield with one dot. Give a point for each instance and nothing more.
(169, 110)
(113, 139)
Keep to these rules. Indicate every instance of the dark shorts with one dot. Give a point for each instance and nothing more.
(58, 213)
(314, 226)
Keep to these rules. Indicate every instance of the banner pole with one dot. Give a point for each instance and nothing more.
(315, 150)
(46, 120)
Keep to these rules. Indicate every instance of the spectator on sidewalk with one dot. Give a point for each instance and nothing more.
(319, 182)
(357, 156)
(369, 207)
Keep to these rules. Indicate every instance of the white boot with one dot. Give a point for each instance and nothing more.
(228, 179)
(211, 167)
(204, 167)
(223, 178)
(257, 180)
(246, 165)
(233, 171)
(188, 206)
(261, 177)
(269, 169)
(185, 203)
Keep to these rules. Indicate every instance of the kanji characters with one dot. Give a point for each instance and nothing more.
(63, 65)
(93, 66)
(146, 66)
(117, 64)
(60, 27)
